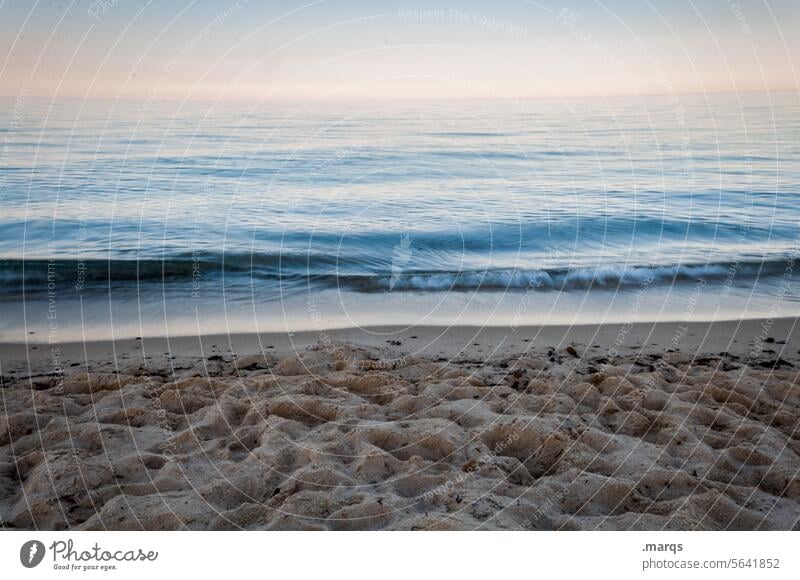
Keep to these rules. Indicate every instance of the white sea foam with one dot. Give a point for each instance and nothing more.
(515, 279)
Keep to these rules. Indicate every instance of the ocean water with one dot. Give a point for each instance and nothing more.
(123, 218)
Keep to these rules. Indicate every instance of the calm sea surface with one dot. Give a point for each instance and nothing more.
(136, 217)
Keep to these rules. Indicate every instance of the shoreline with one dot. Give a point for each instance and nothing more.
(177, 314)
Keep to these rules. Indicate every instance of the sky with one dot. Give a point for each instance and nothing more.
(405, 49)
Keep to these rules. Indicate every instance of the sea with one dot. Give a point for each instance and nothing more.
(124, 218)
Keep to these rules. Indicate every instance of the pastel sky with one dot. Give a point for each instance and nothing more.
(357, 49)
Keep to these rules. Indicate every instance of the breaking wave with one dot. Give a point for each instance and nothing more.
(353, 275)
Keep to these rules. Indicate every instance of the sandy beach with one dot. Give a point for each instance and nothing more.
(619, 426)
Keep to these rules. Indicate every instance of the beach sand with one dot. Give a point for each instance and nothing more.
(618, 426)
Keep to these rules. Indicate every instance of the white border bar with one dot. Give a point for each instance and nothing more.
(411, 555)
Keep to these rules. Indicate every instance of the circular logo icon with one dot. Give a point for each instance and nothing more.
(31, 553)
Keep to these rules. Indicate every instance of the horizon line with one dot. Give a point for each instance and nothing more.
(351, 99)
